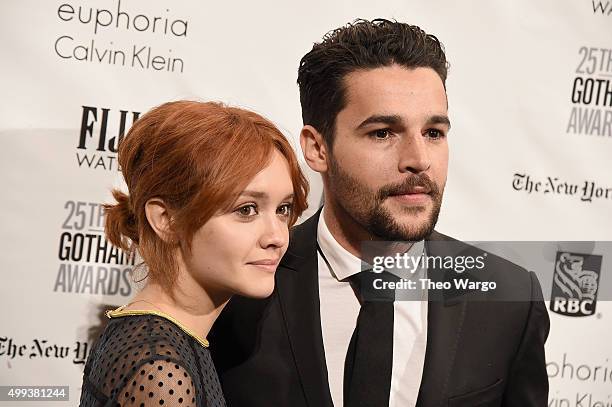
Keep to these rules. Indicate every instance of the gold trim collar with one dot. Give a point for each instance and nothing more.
(119, 312)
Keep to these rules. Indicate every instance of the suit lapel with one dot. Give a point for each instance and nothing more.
(298, 291)
(444, 322)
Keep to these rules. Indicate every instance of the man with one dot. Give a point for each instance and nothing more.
(375, 118)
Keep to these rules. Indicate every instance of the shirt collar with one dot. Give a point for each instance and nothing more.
(342, 263)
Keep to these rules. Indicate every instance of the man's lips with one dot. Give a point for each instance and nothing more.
(413, 190)
(416, 195)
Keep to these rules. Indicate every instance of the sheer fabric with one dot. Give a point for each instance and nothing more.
(147, 360)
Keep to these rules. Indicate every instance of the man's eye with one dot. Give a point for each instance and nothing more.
(381, 134)
(247, 210)
(434, 134)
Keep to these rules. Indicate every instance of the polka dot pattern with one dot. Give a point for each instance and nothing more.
(146, 360)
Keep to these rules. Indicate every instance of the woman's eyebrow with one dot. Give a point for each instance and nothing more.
(254, 194)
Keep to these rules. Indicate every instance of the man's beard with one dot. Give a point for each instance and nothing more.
(366, 206)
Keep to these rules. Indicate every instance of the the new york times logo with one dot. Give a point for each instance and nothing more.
(102, 129)
(575, 284)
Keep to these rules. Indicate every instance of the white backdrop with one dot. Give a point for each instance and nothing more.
(518, 120)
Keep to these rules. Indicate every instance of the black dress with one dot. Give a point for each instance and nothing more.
(146, 358)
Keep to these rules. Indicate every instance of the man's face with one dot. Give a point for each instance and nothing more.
(389, 160)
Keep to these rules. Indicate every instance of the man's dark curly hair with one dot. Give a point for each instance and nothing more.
(359, 45)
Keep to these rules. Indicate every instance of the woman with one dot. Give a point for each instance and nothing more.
(213, 191)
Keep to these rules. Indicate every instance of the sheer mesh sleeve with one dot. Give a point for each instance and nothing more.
(149, 361)
(157, 383)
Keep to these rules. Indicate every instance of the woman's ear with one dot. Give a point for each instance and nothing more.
(159, 218)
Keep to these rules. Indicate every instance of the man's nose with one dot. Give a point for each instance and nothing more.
(414, 154)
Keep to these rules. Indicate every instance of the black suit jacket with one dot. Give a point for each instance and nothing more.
(479, 352)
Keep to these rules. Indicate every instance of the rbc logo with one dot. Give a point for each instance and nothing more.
(575, 284)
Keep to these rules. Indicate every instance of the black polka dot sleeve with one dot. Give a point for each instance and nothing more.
(161, 384)
(147, 360)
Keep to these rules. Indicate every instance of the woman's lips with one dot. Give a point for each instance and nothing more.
(267, 265)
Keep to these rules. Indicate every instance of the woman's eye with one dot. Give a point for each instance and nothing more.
(381, 134)
(247, 210)
(434, 134)
(285, 209)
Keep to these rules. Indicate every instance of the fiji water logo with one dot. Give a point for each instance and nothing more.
(575, 284)
(602, 7)
(102, 130)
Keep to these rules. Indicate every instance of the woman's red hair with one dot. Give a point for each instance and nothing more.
(197, 157)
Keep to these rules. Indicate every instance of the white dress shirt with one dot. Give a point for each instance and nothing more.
(339, 311)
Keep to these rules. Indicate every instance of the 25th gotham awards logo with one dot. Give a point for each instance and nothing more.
(121, 36)
(102, 129)
(591, 94)
(575, 284)
(88, 263)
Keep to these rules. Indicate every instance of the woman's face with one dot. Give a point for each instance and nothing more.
(237, 252)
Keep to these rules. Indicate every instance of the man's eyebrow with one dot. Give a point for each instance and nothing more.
(439, 119)
(395, 120)
(391, 120)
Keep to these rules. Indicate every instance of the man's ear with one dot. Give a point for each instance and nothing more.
(159, 218)
(314, 148)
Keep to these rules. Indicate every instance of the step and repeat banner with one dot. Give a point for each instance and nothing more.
(530, 99)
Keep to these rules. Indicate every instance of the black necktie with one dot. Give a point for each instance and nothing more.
(369, 359)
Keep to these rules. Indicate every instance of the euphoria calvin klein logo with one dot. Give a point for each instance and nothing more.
(97, 147)
(575, 284)
(109, 43)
